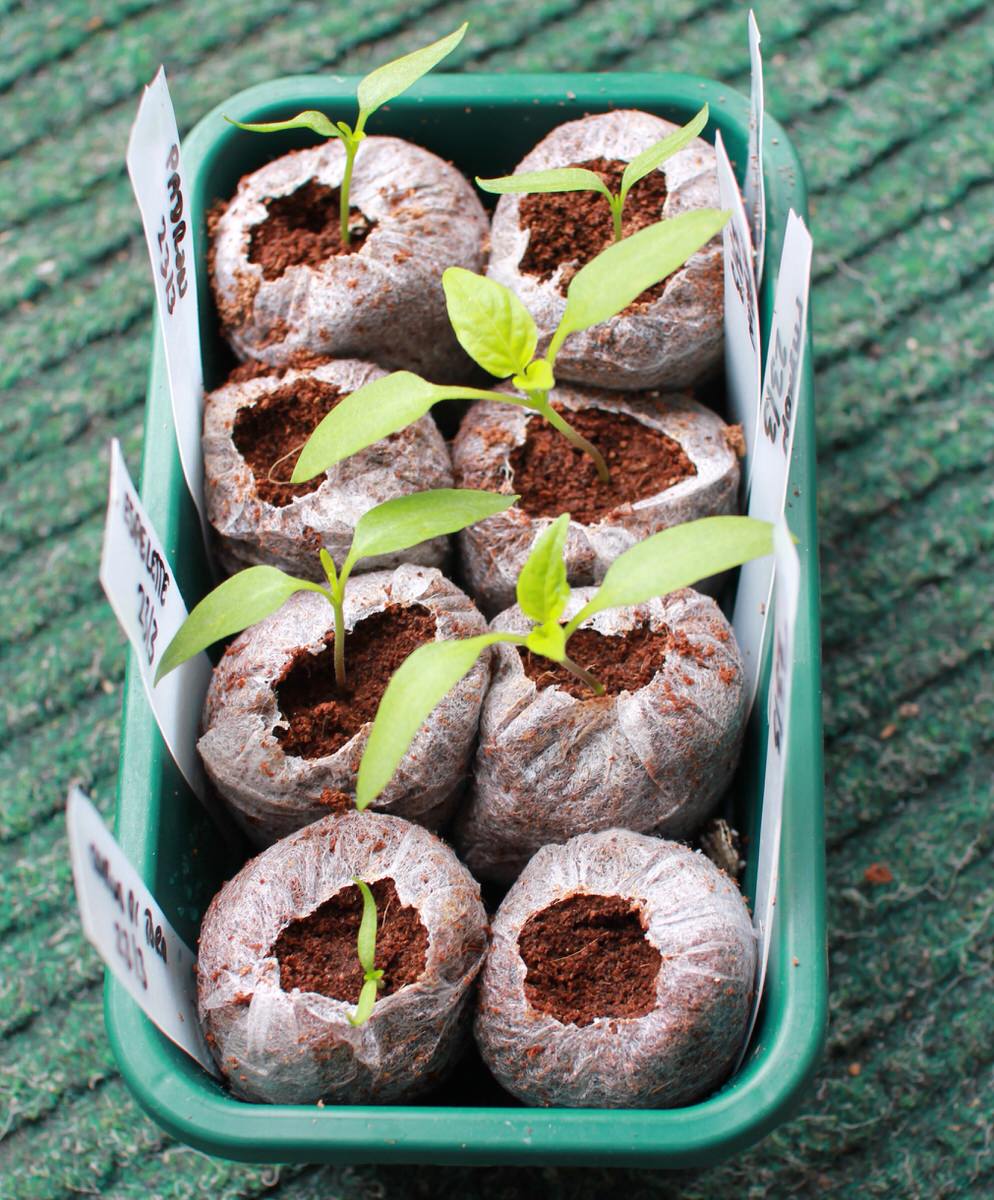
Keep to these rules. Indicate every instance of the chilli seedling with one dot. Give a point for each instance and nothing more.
(497, 331)
(579, 179)
(372, 980)
(661, 564)
(255, 593)
(375, 89)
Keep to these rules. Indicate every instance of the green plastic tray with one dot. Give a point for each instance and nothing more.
(484, 124)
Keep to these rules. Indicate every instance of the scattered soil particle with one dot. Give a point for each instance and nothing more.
(302, 229)
(735, 440)
(271, 433)
(317, 953)
(552, 476)
(321, 718)
(588, 957)
(621, 664)
(574, 227)
(878, 873)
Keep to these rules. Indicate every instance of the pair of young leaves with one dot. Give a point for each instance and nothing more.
(497, 332)
(255, 593)
(664, 562)
(374, 90)
(579, 179)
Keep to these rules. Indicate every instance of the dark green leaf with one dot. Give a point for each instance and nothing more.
(558, 179)
(612, 280)
(542, 589)
(418, 684)
(365, 417)
(407, 521)
(490, 322)
(395, 77)
(305, 120)
(678, 558)
(656, 155)
(232, 606)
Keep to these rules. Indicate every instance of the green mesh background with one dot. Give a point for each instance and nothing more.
(891, 107)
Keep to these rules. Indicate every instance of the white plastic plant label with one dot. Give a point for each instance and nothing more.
(772, 447)
(788, 586)
(130, 932)
(743, 359)
(142, 590)
(160, 186)
(755, 186)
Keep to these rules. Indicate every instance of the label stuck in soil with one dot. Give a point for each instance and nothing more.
(773, 444)
(755, 186)
(743, 361)
(143, 592)
(162, 191)
(130, 932)
(788, 586)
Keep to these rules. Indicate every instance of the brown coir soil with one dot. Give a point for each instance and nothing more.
(302, 229)
(552, 476)
(321, 718)
(621, 664)
(317, 953)
(587, 957)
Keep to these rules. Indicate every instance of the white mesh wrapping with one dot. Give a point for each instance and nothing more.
(695, 917)
(251, 530)
(495, 550)
(679, 338)
(655, 760)
(385, 300)
(271, 793)
(296, 1047)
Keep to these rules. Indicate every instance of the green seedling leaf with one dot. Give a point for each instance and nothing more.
(536, 377)
(542, 589)
(678, 558)
(490, 322)
(612, 280)
(407, 521)
(549, 640)
(305, 120)
(366, 941)
(414, 690)
(656, 155)
(373, 412)
(558, 179)
(366, 949)
(232, 606)
(395, 77)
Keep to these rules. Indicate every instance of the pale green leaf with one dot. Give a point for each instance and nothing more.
(367, 998)
(678, 558)
(310, 119)
(414, 690)
(542, 589)
(536, 377)
(656, 155)
(366, 940)
(407, 521)
(366, 416)
(557, 179)
(490, 322)
(232, 606)
(612, 280)
(395, 77)
(549, 640)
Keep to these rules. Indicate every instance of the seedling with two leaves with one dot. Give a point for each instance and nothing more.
(372, 979)
(374, 90)
(255, 593)
(497, 332)
(579, 179)
(661, 564)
